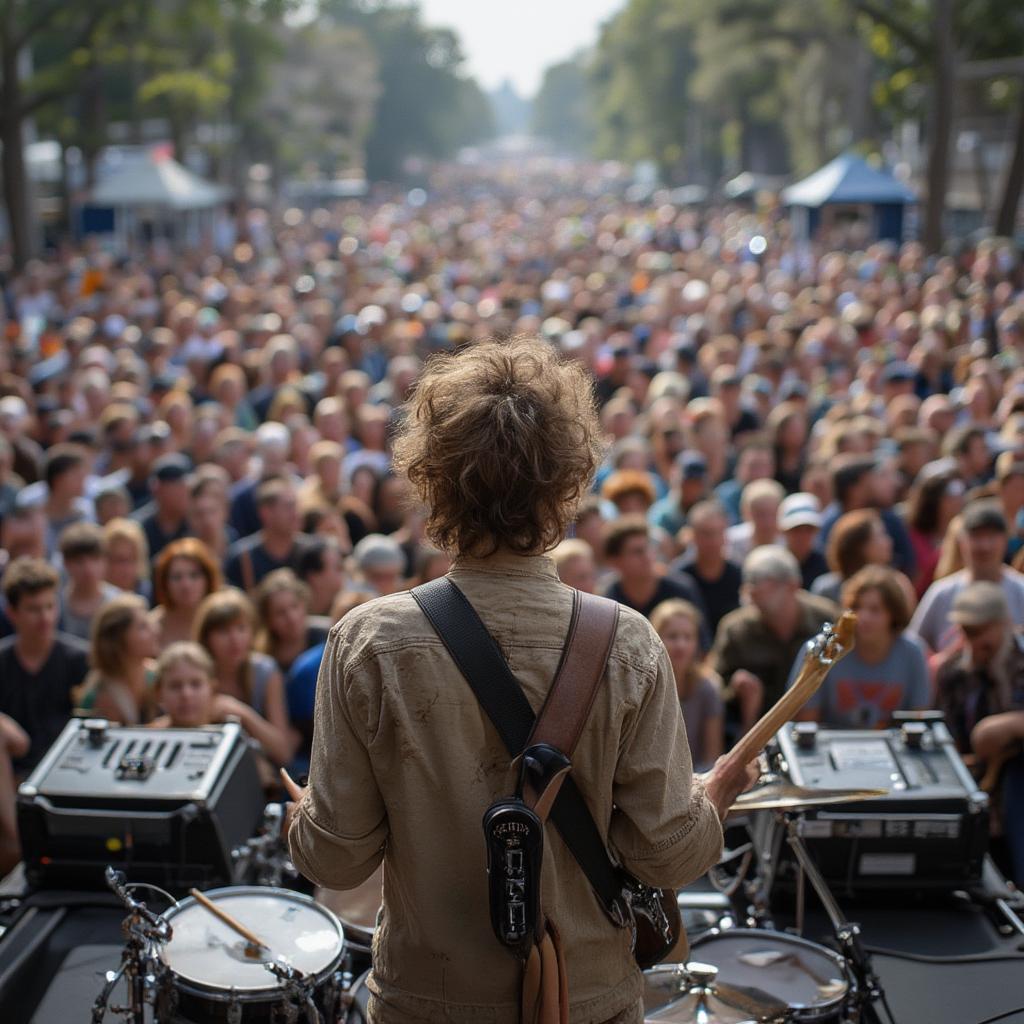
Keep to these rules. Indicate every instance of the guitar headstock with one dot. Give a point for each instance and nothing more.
(834, 640)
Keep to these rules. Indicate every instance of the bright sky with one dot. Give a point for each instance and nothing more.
(519, 40)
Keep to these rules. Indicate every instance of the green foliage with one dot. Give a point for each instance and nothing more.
(563, 109)
(427, 107)
(641, 73)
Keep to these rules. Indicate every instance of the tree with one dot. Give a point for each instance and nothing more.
(427, 107)
(25, 93)
(640, 75)
(929, 45)
(563, 109)
(321, 98)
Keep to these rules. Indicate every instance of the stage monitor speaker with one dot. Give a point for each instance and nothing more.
(166, 806)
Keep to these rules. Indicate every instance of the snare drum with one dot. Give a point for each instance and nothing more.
(811, 980)
(211, 979)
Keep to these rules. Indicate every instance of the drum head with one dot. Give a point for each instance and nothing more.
(207, 953)
(798, 973)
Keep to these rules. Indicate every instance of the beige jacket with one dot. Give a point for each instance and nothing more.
(405, 763)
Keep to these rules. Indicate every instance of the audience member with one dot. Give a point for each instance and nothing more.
(185, 575)
(935, 499)
(574, 563)
(885, 671)
(225, 626)
(39, 667)
(755, 645)
(982, 538)
(321, 566)
(286, 628)
(165, 518)
(980, 689)
(123, 646)
(759, 512)
(717, 579)
(186, 686)
(678, 624)
(799, 525)
(641, 583)
(127, 564)
(380, 563)
(865, 482)
(81, 550)
(278, 542)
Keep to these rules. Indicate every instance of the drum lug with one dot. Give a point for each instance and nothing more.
(234, 1015)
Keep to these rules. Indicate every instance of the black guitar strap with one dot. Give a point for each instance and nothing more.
(481, 662)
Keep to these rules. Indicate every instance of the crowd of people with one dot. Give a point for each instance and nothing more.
(196, 477)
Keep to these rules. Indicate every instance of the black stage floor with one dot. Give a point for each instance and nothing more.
(53, 957)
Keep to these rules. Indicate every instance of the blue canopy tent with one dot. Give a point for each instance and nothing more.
(849, 184)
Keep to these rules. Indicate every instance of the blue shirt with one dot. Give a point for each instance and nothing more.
(300, 693)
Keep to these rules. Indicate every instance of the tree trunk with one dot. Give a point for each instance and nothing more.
(17, 193)
(1006, 215)
(943, 72)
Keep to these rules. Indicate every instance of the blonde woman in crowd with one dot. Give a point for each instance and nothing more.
(677, 622)
(123, 646)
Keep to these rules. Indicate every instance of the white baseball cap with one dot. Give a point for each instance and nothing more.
(802, 509)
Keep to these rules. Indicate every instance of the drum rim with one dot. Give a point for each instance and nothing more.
(816, 1008)
(219, 993)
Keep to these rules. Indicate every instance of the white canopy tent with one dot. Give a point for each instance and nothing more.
(155, 190)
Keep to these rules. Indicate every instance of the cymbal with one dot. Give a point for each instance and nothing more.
(787, 796)
(686, 993)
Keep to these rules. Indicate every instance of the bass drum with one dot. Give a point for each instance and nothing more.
(211, 978)
(811, 981)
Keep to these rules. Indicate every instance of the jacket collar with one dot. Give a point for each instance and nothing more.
(507, 563)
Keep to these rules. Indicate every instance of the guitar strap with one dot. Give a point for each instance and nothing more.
(481, 662)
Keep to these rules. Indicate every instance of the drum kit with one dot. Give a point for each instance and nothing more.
(267, 955)
(752, 973)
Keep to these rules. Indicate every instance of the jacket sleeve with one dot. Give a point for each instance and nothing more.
(339, 829)
(663, 827)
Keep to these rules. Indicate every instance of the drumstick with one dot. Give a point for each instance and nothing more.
(253, 940)
(812, 675)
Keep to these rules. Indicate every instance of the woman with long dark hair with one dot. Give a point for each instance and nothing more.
(934, 500)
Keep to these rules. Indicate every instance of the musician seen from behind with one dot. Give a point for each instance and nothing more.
(501, 442)
(980, 689)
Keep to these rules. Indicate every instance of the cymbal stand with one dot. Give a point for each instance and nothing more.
(139, 964)
(847, 933)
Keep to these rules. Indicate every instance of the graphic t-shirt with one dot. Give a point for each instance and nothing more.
(857, 695)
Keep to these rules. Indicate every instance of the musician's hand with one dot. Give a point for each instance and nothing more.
(749, 692)
(726, 780)
(296, 793)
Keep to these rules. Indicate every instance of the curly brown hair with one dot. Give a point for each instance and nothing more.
(501, 442)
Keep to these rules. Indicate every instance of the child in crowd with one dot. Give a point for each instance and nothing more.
(677, 622)
(186, 688)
